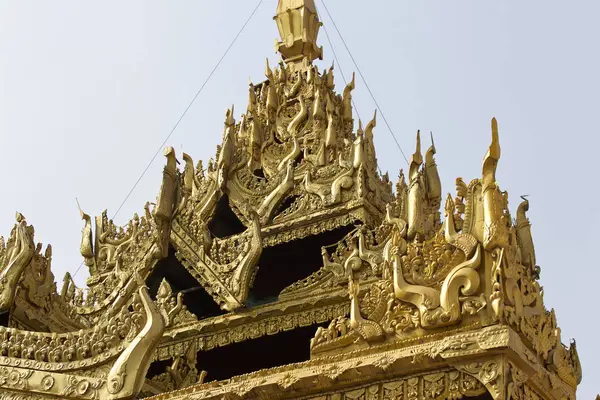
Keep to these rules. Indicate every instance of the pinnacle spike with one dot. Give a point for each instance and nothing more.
(268, 71)
(495, 145)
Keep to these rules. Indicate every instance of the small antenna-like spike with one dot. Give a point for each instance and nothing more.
(432, 142)
(417, 157)
(268, 72)
(492, 157)
(449, 206)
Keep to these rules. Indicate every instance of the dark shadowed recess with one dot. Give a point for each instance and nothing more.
(287, 203)
(224, 222)
(252, 355)
(4, 316)
(281, 265)
(197, 300)
(157, 368)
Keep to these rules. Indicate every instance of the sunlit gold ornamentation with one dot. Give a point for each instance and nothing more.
(410, 305)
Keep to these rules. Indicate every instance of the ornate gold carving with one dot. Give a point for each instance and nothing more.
(444, 384)
(173, 307)
(182, 373)
(566, 364)
(461, 293)
(123, 342)
(490, 373)
(451, 289)
(298, 25)
(82, 388)
(252, 329)
(37, 303)
(70, 350)
(495, 224)
(15, 255)
(368, 330)
(126, 377)
(229, 269)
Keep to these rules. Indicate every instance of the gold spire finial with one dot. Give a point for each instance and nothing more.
(417, 157)
(298, 25)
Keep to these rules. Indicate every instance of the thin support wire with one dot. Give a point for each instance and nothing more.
(335, 57)
(183, 115)
(365, 81)
(188, 108)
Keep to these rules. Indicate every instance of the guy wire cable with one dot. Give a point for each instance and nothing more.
(182, 116)
(365, 81)
(335, 57)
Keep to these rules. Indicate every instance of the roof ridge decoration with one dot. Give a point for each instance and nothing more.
(489, 277)
(294, 145)
(108, 361)
(15, 255)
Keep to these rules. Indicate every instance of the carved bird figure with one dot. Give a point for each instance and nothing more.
(369, 330)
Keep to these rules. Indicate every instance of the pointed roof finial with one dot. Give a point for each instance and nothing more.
(418, 149)
(268, 71)
(298, 25)
(417, 157)
(494, 150)
(490, 162)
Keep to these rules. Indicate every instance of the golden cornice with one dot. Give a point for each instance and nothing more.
(485, 354)
(100, 374)
(252, 328)
(285, 306)
(322, 221)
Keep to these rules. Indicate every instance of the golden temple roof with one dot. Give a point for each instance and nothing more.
(291, 229)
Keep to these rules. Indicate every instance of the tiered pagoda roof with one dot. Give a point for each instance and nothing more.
(290, 267)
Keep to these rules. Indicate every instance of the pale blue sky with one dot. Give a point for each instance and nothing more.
(90, 89)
